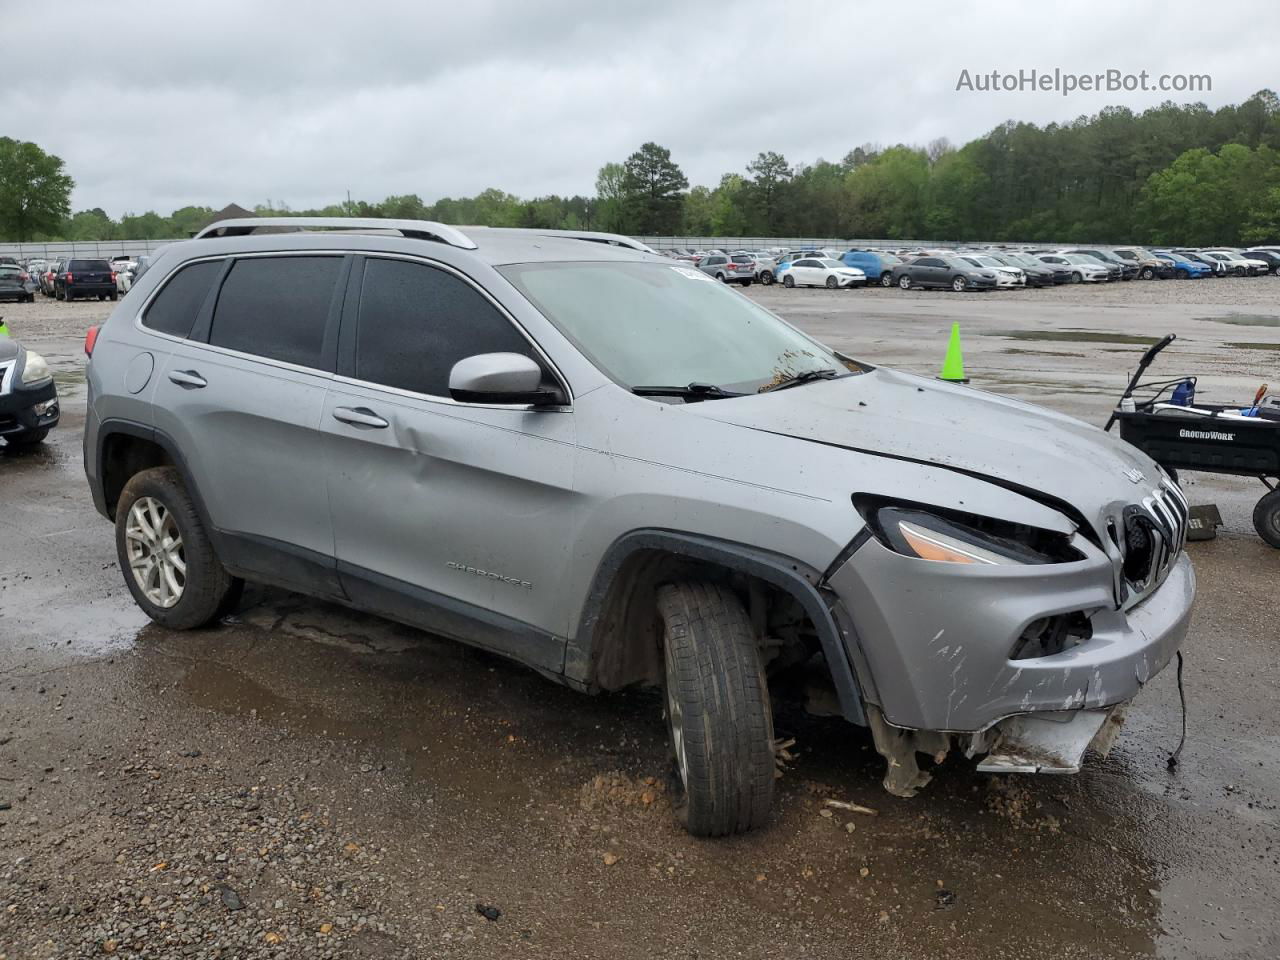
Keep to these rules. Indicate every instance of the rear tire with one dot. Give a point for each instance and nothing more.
(718, 713)
(1266, 518)
(114, 297)
(205, 589)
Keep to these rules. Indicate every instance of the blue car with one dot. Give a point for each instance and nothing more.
(876, 264)
(1185, 269)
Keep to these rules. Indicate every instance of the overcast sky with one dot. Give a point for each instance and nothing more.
(155, 106)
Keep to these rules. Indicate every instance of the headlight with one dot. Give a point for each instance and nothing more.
(35, 370)
(948, 537)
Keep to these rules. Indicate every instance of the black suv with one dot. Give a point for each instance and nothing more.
(84, 278)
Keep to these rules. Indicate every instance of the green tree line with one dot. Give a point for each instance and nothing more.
(1176, 174)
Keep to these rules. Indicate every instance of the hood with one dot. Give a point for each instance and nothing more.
(9, 349)
(887, 413)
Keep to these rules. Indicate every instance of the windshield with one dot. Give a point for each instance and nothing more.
(1082, 259)
(651, 324)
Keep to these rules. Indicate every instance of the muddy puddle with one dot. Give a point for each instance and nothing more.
(1072, 336)
(1246, 319)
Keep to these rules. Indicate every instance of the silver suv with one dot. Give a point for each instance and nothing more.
(617, 471)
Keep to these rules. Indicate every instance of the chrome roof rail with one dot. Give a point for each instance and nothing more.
(613, 239)
(416, 229)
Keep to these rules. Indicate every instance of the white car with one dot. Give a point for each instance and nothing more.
(822, 272)
(1238, 265)
(124, 274)
(1006, 276)
(1083, 269)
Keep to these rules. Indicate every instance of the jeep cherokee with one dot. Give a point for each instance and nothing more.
(618, 471)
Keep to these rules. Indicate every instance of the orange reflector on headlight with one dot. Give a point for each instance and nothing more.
(934, 546)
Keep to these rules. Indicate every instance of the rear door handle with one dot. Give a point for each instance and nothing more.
(359, 417)
(188, 378)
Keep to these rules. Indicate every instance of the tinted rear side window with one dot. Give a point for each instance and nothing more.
(174, 308)
(89, 265)
(416, 322)
(276, 307)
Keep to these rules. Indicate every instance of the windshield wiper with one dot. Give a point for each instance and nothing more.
(691, 393)
(808, 376)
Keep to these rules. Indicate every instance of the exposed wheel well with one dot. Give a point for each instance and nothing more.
(124, 455)
(626, 634)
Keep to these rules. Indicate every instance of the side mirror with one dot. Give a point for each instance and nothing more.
(500, 378)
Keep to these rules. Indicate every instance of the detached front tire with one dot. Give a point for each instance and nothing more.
(718, 714)
(168, 562)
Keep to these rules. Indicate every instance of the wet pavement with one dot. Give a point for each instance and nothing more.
(360, 787)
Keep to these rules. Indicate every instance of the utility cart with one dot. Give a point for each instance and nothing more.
(1157, 418)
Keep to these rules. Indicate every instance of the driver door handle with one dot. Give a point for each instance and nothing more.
(187, 378)
(359, 417)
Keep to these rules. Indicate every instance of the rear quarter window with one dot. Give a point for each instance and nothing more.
(175, 307)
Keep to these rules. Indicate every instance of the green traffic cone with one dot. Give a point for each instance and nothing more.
(4, 331)
(953, 365)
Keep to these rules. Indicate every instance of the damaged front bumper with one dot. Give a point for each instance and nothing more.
(1047, 742)
(936, 646)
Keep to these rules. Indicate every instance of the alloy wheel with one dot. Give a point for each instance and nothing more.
(156, 556)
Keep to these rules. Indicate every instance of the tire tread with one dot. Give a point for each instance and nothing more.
(728, 723)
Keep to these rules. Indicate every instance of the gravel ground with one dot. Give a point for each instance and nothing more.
(304, 781)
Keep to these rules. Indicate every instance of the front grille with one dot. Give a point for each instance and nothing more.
(1152, 536)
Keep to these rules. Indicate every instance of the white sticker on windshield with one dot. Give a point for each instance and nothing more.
(692, 274)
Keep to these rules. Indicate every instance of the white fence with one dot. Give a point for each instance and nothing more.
(80, 248)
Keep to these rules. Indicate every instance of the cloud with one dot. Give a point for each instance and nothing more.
(299, 102)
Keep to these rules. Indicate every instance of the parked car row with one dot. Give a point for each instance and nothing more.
(976, 268)
(69, 278)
